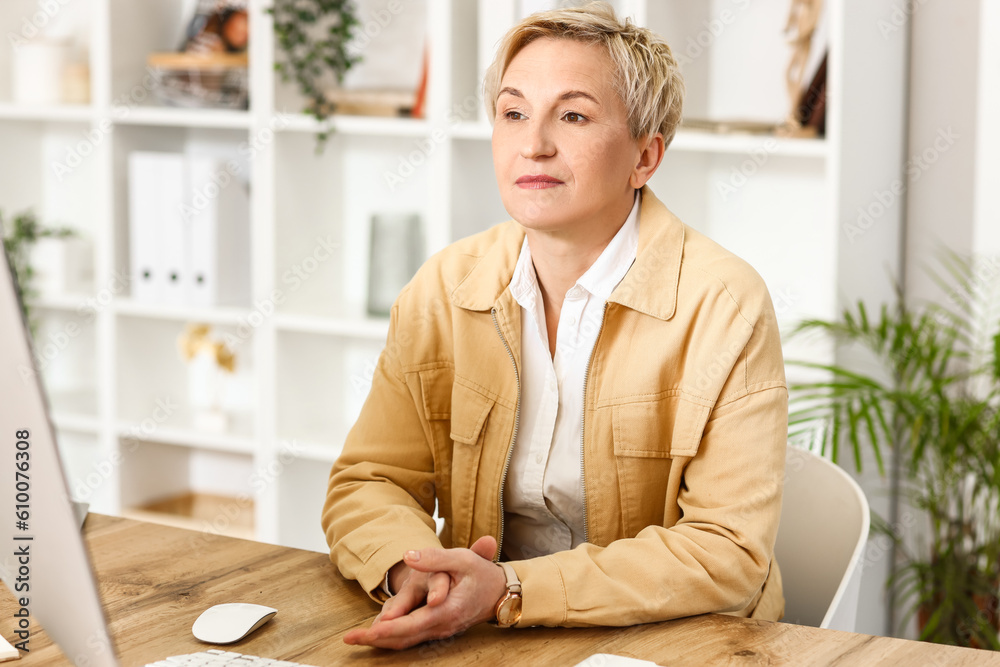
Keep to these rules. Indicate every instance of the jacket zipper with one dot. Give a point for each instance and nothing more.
(583, 425)
(513, 437)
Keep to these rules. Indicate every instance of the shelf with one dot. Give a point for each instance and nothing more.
(368, 328)
(77, 423)
(230, 315)
(695, 141)
(188, 437)
(200, 511)
(72, 113)
(179, 117)
(75, 410)
(354, 125)
(73, 403)
(69, 302)
(707, 142)
(479, 131)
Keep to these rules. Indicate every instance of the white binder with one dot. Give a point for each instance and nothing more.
(173, 255)
(188, 231)
(146, 267)
(217, 232)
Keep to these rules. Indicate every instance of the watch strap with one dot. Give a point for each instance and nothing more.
(513, 583)
(385, 584)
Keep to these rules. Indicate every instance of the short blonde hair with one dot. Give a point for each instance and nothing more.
(648, 77)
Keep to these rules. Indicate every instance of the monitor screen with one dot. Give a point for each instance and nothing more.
(43, 559)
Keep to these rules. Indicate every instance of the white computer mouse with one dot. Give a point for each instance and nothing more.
(230, 622)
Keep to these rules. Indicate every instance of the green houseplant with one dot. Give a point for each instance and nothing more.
(20, 235)
(312, 38)
(931, 396)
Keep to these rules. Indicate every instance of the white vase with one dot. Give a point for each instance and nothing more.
(207, 385)
(38, 67)
(63, 265)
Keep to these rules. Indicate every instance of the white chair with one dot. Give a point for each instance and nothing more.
(824, 527)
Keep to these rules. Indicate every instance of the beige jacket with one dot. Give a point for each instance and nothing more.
(685, 424)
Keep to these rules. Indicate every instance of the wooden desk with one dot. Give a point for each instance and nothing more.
(156, 580)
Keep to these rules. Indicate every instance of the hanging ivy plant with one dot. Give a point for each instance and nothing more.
(312, 38)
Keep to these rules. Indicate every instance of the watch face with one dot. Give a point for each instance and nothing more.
(509, 611)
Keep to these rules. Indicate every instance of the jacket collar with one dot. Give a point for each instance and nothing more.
(661, 245)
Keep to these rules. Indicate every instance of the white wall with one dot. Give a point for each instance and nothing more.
(945, 83)
(986, 232)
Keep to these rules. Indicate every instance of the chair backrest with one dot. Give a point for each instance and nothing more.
(824, 527)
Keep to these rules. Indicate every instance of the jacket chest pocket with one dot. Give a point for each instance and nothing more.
(470, 413)
(648, 437)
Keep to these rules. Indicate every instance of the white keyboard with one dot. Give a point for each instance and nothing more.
(216, 658)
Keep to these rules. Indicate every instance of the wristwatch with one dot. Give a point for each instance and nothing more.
(508, 611)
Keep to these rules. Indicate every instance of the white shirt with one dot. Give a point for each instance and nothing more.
(543, 493)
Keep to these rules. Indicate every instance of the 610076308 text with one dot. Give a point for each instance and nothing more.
(22, 542)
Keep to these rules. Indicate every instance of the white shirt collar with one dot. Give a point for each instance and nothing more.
(603, 275)
(524, 282)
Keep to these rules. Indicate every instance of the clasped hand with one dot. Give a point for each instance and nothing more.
(439, 593)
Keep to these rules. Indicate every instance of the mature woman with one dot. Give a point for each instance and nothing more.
(592, 393)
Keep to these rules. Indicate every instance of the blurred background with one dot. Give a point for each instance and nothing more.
(212, 205)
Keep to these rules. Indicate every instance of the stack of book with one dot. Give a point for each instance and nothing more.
(210, 69)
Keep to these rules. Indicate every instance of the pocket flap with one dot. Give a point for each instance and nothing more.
(661, 428)
(469, 410)
(435, 386)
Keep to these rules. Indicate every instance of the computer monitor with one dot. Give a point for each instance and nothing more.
(44, 559)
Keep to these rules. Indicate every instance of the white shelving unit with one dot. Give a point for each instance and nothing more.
(306, 348)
